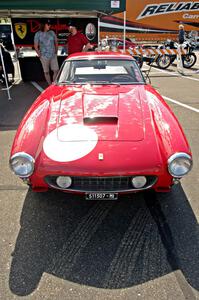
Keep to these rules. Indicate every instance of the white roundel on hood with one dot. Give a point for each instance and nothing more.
(77, 142)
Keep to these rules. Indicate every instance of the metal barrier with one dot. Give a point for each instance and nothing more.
(148, 52)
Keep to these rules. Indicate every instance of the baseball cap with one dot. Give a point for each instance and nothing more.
(45, 21)
(72, 23)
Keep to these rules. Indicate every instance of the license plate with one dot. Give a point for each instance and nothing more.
(101, 196)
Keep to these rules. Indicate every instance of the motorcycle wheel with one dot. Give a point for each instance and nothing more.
(163, 61)
(189, 60)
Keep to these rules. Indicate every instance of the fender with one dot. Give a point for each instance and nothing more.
(166, 125)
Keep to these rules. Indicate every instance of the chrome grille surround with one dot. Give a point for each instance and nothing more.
(101, 184)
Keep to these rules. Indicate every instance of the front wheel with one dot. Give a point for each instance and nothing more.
(189, 60)
(163, 61)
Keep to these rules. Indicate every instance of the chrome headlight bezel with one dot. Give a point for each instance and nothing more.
(172, 159)
(27, 158)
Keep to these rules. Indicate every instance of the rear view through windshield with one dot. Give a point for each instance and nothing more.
(100, 71)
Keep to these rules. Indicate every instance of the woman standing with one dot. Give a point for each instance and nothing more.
(45, 44)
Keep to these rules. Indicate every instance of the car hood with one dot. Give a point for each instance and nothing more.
(114, 113)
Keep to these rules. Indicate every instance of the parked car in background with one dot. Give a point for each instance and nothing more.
(101, 131)
(117, 42)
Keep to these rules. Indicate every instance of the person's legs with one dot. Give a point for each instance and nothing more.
(46, 67)
(47, 76)
(55, 74)
(54, 66)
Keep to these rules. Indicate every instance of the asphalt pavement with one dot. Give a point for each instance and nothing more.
(143, 246)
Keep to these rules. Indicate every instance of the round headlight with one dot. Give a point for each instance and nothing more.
(179, 164)
(22, 164)
(138, 181)
(64, 181)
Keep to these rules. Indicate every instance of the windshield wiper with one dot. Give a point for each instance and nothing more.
(89, 82)
(123, 83)
(97, 82)
(103, 82)
(63, 82)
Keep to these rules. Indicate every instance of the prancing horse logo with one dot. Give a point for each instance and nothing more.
(21, 30)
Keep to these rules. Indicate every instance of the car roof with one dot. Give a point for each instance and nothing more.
(118, 39)
(101, 54)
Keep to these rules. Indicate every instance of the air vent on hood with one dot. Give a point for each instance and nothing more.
(101, 120)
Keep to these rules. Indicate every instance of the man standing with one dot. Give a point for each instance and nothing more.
(77, 42)
(45, 44)
(181, 34)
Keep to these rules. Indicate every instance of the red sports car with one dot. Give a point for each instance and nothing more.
(100, 130)
(119, 43)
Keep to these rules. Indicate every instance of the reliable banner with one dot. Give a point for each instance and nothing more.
(24, 29)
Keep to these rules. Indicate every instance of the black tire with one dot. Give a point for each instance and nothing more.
(163, 61)
(189, 60)
(173, 57)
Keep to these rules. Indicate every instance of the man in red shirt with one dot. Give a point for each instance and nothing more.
(77, 42)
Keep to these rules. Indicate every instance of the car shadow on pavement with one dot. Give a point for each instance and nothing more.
(109, 245)
(12, 111)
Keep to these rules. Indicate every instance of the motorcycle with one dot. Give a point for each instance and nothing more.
(188, 59)
(162, 61)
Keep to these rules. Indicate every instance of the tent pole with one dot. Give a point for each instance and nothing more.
(98, 42)
(5, 74)
(16, 54)
(124, 33)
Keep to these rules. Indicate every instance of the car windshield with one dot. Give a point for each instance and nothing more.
(100, 71)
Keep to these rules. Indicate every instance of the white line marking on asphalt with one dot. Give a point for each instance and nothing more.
(174, 74)
(37, 86)
(183, 76)
(181, 104)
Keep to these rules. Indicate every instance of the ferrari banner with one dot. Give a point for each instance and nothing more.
(21, 30)
(24, 29)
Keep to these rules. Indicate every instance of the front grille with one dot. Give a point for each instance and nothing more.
(101, 184)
